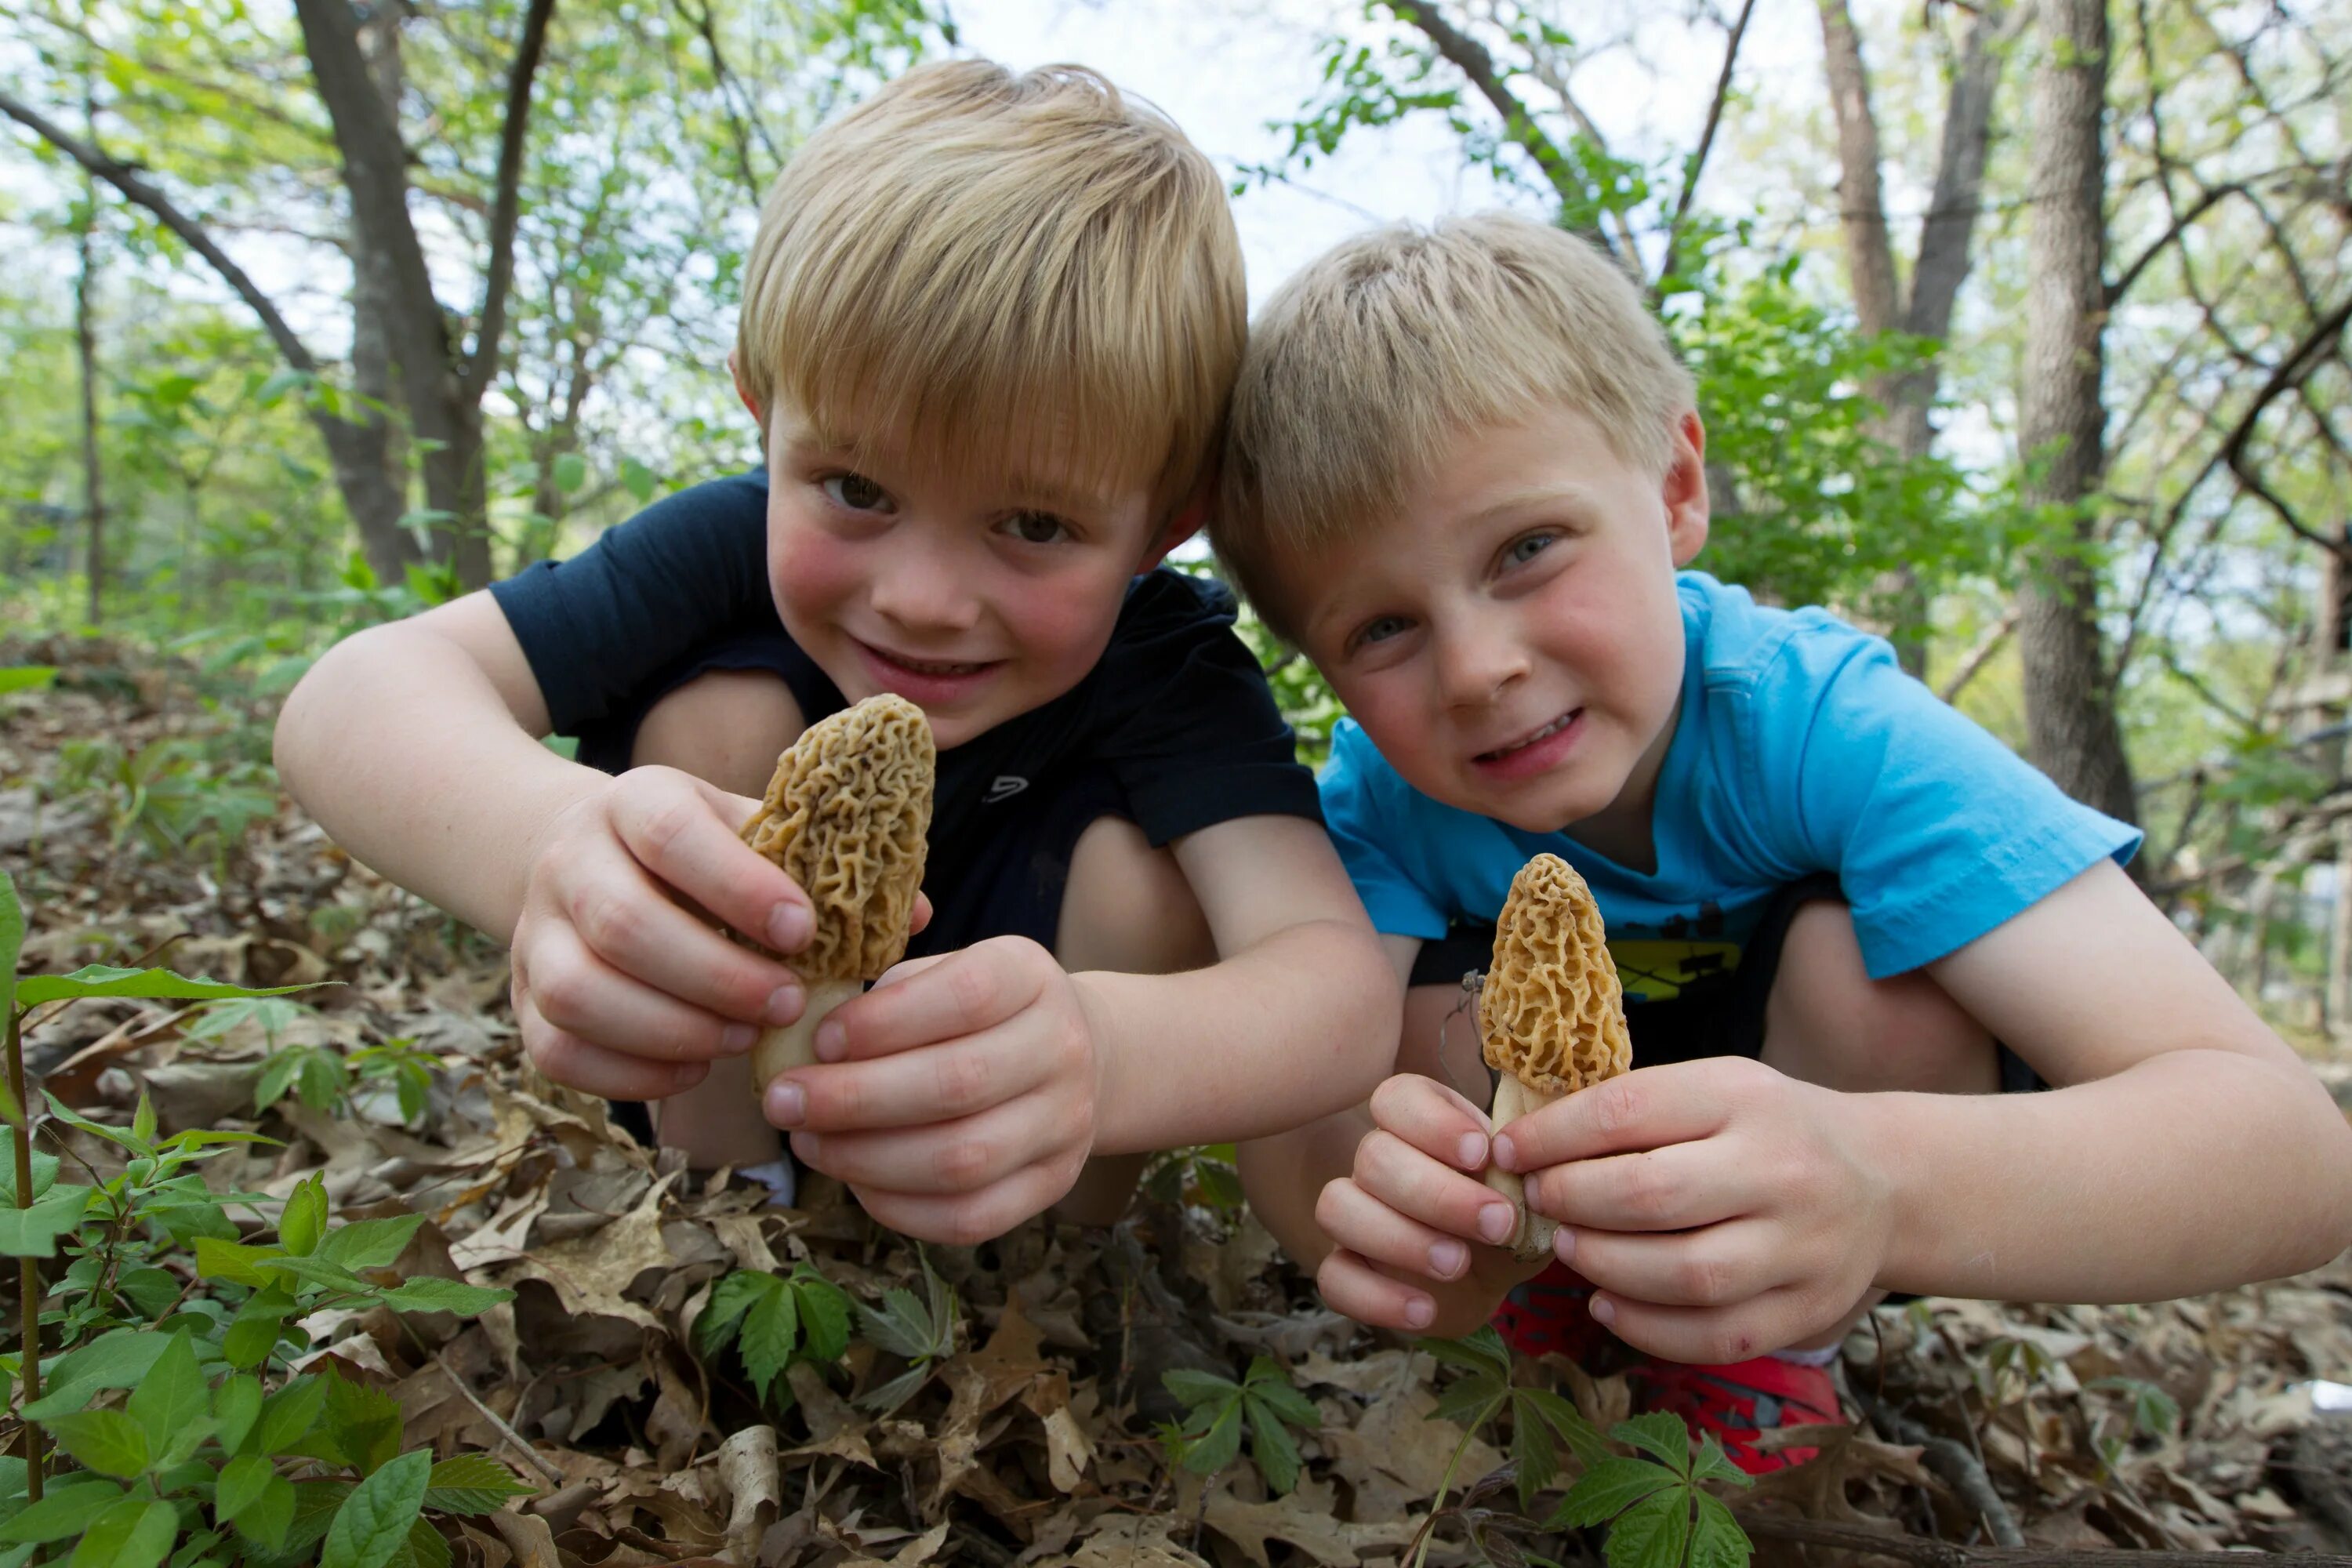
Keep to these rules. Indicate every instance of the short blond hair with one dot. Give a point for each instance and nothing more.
(1029, 271)
(1364, 367)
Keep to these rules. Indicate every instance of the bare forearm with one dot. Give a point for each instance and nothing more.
(413, 764)
(2107, 1191)
(1299, 1025)
(1283, 1174)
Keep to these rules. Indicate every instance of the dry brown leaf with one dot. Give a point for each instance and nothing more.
(748, 1470)
(1307, 1519)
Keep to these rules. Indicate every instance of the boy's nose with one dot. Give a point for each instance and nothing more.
(926, 594)
(1477, 661)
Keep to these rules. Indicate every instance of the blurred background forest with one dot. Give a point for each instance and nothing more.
(2019, 330)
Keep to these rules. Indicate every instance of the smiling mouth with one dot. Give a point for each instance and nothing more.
(930, 666)
(1521, 744)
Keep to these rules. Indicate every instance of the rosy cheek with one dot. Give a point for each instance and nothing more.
(1059, 622)
(808, 570)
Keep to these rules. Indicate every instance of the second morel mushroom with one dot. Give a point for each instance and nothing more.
(1551, 1017)
(846, 816)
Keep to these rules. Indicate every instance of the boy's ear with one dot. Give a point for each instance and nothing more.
(1190, 518)
(742, 392)
(1686, 490)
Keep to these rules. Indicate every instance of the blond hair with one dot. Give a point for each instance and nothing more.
(1017, 271)
(1364, 367)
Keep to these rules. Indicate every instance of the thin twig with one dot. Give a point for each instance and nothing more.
(1927, 1554)
(28, 1268)
(538, 1462)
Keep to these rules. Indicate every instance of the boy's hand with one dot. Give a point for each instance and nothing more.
(621, 987)
(956, 1098)
(1413, 1212)
(1719, 1209)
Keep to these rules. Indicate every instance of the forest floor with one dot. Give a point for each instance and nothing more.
(2188, 1427)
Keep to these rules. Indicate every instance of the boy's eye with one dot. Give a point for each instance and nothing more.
(1523, 550)
(1037, 528)
(1380, 629)
(854, 491)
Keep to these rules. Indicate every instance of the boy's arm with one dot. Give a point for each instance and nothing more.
(2186, 1149)
(1298, 1018)
(415, 745)
(1723, 1208)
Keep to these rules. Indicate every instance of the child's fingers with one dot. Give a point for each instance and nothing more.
(1672, 1188)
(1403, 1178)
(1643, 1108)
(969, 1218)
(581, 994)
(1363, 1224)
(1711, 1336)
(960, 1156)
(570, 1060)
(1714, 1266)
(910, 1089)
(921, 916)
(627, 921)
(961, 993)
(685, 832)
(1352, 1285)
(1433, 1119)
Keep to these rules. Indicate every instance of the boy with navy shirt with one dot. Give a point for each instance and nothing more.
(989, 331)
(1464, 474)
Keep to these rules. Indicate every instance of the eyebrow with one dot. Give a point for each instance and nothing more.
(1051, 496)
(1577, 498)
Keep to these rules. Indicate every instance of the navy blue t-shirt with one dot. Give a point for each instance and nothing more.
(1175, 719)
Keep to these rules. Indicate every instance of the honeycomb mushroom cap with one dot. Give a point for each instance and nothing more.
(847, 816)
(1551, 1013)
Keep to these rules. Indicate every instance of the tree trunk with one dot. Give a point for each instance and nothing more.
(1870, 255)
(1946, 247)
(93, 489)
(2069, 692)
(440, 383)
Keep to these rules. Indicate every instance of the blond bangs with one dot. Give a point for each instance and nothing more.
(1365, 369)
(1019, 274)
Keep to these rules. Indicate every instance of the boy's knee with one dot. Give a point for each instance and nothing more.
(726, 726)
(1828, 1022)
(1127, 907)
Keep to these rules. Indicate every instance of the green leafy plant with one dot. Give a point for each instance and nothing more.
(1204, 1175)
(1209, 1436)
(169, 795)
(162, 1366)
(1658, 1514)
(921, 1330)
(778, 1320)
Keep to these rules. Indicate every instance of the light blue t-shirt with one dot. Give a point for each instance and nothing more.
(1801, 748)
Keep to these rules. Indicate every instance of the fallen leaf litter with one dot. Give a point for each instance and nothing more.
(1019, 1450)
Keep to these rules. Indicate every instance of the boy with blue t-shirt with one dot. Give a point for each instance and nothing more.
(1464, 475)
(989, 331)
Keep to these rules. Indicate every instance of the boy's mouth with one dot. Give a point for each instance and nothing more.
(1532, 738)
(926, 681)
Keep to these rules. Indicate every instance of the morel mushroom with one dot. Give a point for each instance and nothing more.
(847, 816)
(1551, 1017)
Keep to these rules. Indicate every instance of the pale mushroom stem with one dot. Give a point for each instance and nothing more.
(1531, 1237)
(794, 1045)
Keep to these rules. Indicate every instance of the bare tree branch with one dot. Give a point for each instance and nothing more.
(508, 207)
(1469, 56)
(1979, 656)
(2182, 222)
(1705, 138)
(192, 234)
